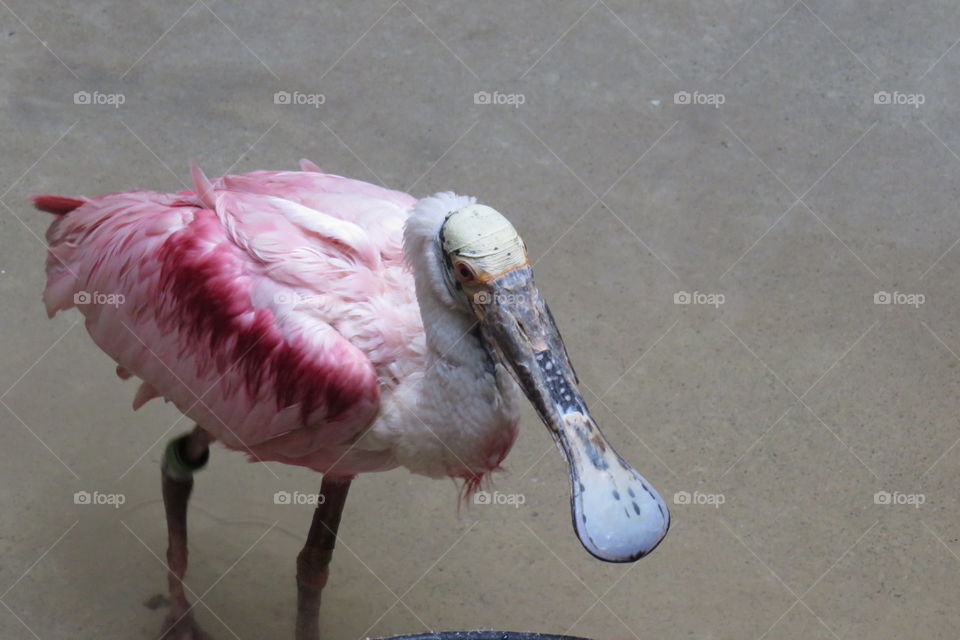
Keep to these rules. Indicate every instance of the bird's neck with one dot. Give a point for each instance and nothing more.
(465, 403)
(452, 337)
(451, 331)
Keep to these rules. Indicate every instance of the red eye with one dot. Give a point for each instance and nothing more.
(465, 272)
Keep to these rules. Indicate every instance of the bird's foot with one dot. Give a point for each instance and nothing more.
(182, 626)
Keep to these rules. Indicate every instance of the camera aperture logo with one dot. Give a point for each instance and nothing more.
(697, 498)
(502, 99)
(709, 99)
(97, 297)
(96, 498)
(898, 98)
(298, 498)
(710, 299)
(99, 98)
(897, 498)
(299, 98)
(497, 498)
(899, 298)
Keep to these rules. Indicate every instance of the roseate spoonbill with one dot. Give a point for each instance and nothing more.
(320, 321)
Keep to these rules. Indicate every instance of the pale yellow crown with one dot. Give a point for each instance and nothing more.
(485, 238)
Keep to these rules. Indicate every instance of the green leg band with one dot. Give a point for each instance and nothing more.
(175, 465)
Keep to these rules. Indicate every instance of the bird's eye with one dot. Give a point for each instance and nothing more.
(465, 272)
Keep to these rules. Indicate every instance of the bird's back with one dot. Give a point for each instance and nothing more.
(273, 307)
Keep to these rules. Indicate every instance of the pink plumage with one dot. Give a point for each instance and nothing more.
(273, 308)
(329, 323)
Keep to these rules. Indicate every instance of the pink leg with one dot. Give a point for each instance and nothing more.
(313, 562)
(183, 456)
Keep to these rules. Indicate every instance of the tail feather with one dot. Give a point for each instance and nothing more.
(306, 165)
(58, 205)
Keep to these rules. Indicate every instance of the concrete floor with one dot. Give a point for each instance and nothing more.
(789, 190)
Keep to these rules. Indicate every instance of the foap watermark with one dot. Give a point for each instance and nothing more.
(496, 498)
(710, 99)
(98, 297)
(287, 297)
(299, 98)
(298, 498)
(294, 298)
(711, 299)
(897, 498)
(899, 298)
(708, 499)
(95, 498)
(496, 98)
(486, 297)
(99, 98)
(899, 98)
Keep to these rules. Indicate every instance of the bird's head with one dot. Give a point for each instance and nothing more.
(484, 266)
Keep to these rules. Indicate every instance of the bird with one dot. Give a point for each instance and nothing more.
(320, 321)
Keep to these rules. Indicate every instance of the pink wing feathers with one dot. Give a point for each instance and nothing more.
(271, 307)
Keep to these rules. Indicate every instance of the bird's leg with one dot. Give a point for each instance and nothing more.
(313, 562)
(183, 456)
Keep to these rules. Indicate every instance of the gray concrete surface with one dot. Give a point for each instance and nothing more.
(781, 413)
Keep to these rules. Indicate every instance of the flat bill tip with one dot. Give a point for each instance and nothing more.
(617, 515)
